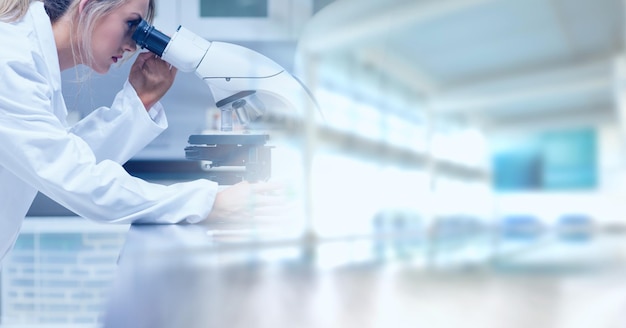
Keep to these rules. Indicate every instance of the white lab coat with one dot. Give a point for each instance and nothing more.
(78, 166)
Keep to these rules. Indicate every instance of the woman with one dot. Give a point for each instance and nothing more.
(80, 166)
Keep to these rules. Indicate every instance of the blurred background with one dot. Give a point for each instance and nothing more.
(479, 143)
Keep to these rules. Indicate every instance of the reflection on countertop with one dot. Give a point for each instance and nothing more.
(237, 276)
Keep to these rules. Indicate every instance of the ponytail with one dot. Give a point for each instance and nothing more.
(12, 10)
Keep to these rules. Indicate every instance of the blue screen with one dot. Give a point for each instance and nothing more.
(552, 160)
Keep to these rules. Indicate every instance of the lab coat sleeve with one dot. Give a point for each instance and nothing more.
(120, 131)
(37, 148)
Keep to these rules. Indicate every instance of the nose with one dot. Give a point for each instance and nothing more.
(129, 44)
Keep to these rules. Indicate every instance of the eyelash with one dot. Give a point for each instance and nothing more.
(133, 23)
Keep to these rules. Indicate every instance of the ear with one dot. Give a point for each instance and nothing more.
(81, 5)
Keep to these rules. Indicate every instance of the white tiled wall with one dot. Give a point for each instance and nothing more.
(58, 273)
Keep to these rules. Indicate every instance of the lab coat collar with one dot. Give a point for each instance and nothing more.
(43, 28)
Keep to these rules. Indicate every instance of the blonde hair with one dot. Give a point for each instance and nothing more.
(86, 21)
(12, 10)
(83, 24)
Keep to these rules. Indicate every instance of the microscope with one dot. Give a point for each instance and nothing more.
(261, 94)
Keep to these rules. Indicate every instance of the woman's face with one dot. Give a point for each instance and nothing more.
(112, 34)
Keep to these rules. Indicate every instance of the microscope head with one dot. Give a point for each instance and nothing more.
(256, 88)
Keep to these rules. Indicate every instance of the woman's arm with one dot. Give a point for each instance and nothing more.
(37, 148)
(120, 131)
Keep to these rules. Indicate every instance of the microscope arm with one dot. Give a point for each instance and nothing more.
(232, 72)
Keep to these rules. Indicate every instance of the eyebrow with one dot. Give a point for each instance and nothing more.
(137, 14)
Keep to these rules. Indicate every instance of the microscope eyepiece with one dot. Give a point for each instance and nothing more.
(150, 38)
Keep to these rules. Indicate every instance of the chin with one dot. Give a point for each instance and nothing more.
(101, 70)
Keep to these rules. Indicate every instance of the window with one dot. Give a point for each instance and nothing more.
(233, 8)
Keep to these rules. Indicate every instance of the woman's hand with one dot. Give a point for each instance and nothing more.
(245, 200)
(151, 77)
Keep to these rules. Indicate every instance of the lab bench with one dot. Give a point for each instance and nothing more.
(231, 275)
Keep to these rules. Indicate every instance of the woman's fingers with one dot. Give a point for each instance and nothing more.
(267, 187)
